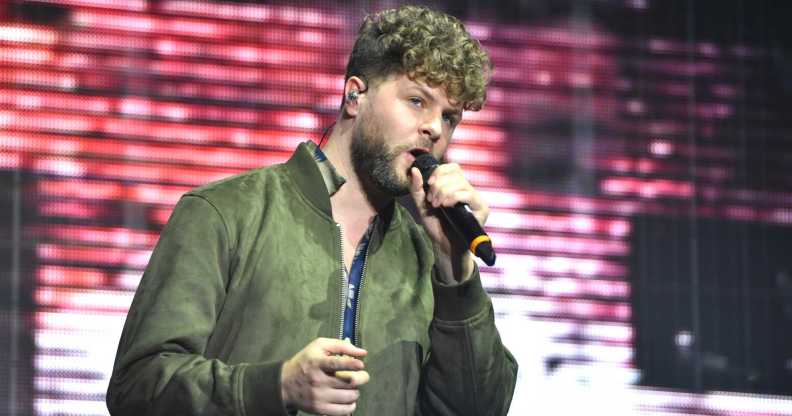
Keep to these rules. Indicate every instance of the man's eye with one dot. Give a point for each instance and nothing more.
(416, 101)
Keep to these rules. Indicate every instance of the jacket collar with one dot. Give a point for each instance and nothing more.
(304, 170)
(332, 179)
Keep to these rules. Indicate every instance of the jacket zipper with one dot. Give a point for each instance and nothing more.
(357, 309)
(344, 287)
(356, 341)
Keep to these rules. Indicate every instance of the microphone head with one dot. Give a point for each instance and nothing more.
(426, 163)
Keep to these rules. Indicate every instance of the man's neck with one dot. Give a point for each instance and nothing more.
(356, 196)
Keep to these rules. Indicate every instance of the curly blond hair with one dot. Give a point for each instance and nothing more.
(426, 45)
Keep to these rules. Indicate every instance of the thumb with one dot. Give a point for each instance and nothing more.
(416, 187)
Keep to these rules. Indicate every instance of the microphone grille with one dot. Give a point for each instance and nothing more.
(426, 163)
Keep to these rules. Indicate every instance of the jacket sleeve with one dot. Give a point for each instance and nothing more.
(468, 371)
(160, 368)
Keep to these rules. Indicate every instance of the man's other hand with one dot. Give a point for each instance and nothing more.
(324, 378)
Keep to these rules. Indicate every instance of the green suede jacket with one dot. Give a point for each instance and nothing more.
(248, 271)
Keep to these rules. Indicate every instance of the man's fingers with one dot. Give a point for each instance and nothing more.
(353, 378)
(330, 400)
(308, 379)
(333, 363)
(445, 185)
(444, 170)
(332, 409)
(341, 396)
(337, 346)
(459, 192)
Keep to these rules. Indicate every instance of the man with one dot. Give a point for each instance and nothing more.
(257, 280)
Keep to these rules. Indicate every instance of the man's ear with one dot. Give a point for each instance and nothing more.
(354, 88)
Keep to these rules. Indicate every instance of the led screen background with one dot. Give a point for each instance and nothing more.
(634, 154)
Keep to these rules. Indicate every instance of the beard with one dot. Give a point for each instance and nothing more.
(372, 159)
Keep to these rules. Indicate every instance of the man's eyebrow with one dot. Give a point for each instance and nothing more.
(423, 89)
(431, 96)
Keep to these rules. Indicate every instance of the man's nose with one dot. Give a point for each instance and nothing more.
(432, 127)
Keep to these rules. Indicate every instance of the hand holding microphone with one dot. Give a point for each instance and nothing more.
(456, 200)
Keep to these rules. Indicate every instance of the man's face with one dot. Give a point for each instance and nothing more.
(400, 119)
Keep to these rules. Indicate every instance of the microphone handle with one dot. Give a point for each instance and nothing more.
(461, 217)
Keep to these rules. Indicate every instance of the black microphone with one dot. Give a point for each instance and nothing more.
(460, 215)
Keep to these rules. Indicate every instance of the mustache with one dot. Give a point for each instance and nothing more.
(426, 144)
